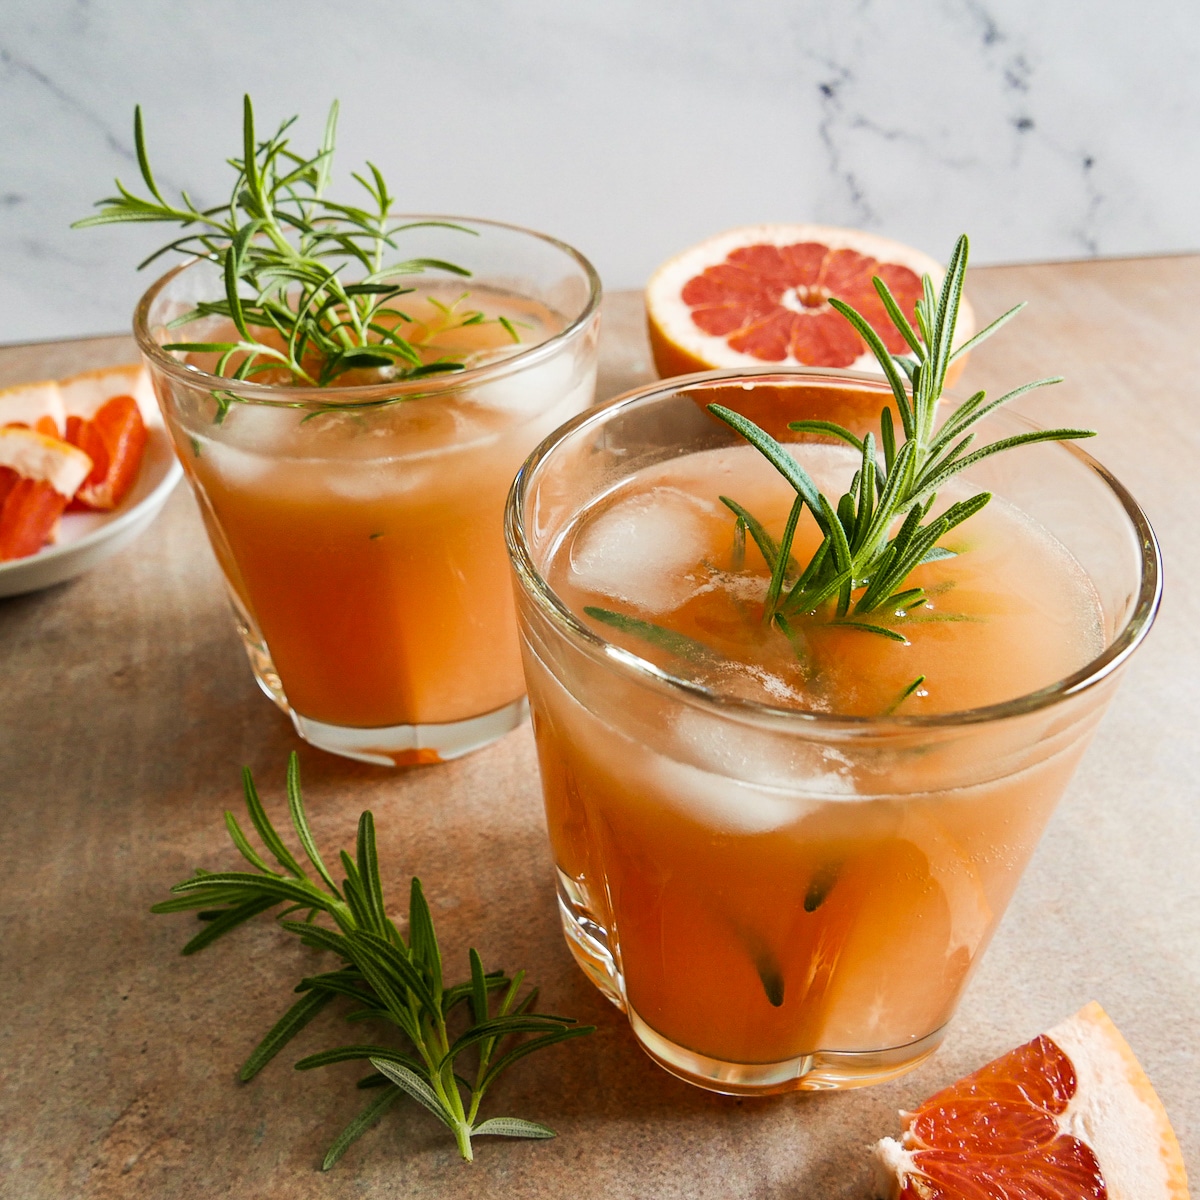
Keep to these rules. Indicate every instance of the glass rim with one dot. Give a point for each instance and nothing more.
(1105, 664)
(367, 395)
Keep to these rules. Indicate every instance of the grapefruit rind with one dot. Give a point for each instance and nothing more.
(42, 459)
(79, 395)
(29, 403)
(681, 347)
(84, 394)
(1114, 1111)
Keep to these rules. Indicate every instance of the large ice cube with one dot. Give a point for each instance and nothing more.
(644, 549)
(265, 429)
(529, 391)
(237, 468)
(789, 763)
(726, 805)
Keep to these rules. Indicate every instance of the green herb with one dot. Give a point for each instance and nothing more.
(904, 695)
(678, 644)
(286, 252)
(446, 1030)
(861, 565)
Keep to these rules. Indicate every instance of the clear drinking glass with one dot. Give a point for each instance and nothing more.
(359, 528)
(784, 899)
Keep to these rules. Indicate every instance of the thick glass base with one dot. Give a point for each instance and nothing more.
(822, 1070)
(384, 746)
(410, 745)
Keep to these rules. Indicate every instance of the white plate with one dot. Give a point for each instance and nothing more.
(87, 538)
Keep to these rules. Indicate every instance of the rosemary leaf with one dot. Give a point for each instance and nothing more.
(678, 644)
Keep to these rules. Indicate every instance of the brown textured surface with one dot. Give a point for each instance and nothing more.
(126, 709)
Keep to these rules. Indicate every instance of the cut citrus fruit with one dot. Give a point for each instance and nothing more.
(75, 442)
(114, 439)
(758, 297)
(1068, 1116)
(38, 476)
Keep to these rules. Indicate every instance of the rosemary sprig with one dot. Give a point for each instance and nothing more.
(306, 285)
(863, 560)
(390, 980)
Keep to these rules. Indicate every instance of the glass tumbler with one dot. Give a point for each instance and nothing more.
(783, 899)
(359, 528)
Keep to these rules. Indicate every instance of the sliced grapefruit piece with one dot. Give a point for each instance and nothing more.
(1068, 1116)
(39, 476)
(758, 297)
(114, 439)
(43, 459)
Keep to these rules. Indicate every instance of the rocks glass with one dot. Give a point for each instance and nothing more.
(359, 529)
(783, 899)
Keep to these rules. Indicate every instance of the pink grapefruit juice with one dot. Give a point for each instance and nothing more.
(364, 546)
(753, 897)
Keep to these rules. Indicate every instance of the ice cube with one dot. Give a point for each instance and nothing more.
(795, 765)
(531, 390)
(237, 468)
(725, 804)
(645, 549)
(263, 428)
(386, 479)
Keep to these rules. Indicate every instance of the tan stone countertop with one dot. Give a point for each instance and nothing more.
(127, 710)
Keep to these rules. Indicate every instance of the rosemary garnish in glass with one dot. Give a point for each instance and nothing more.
(881, 528)
(308, 292)
(863, 560)
(455, 1039)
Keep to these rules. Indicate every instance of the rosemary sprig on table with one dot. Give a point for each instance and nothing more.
(445, 1029)
(286, 252)
(863, 561)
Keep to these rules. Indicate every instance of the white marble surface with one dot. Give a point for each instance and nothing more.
(1046, 128)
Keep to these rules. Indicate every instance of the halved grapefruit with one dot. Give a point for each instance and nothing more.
(1068, 1116)
(758, 297)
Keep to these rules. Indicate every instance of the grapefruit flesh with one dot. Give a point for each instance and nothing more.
(759, 296)
(1067, 1116)
(114, 439)
(29, 513)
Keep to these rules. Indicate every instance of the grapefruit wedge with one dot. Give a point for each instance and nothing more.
(1068, 1116)
(38, 477)
(758, 297)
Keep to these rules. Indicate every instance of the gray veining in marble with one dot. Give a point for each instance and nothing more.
(1047, 129)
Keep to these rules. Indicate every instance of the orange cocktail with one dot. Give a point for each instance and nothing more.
(359, 527)
(776, 854)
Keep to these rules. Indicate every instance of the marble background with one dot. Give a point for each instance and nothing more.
(1046, 128)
